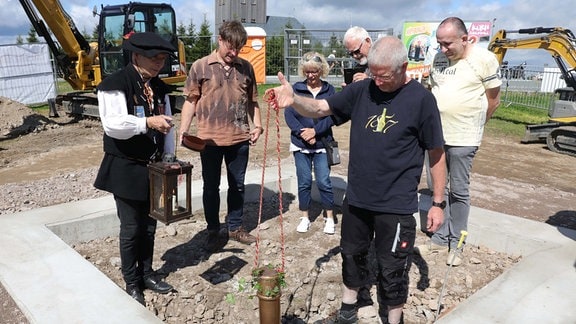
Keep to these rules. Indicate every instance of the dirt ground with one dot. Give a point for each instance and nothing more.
(60, 156)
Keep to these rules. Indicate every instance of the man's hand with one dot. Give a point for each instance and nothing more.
(435, 219)
(161, 123)
(255, 135)
(283, 95)
(359, 76)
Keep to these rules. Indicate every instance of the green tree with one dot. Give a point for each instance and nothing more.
(274, 55)
(318, 47)
(19, 40)
(335, 44)
(188, 37)
(275, 52)
(204, 43)
(32, 36)
(88, 37)
(95, 33)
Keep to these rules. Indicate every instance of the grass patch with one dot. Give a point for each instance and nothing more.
(512, 120)
(507, 120)
(263, 87)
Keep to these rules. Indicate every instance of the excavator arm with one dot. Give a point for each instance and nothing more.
(560, 132)
(559, 42)
(84, 65)
(74, 55)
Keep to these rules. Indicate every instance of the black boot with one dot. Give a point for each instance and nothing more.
(135, 291)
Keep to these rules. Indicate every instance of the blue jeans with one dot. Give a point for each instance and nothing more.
(236, 160)
(457, 193)
(304, 162)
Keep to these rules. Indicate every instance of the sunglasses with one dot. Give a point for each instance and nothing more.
(314, 58)
(357, 51)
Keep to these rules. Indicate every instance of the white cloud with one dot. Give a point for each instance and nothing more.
(83, 18)
(334, 14)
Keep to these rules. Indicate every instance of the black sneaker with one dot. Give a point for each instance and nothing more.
(347, 317)
(364, 299)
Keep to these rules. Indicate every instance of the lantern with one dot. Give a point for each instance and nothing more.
(164, 180)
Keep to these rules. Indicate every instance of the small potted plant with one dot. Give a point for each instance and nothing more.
(267, 283)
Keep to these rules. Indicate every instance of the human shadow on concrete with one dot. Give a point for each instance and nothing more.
(565, 221)
(193, 252)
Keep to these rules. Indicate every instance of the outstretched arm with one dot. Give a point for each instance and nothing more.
(308, 107)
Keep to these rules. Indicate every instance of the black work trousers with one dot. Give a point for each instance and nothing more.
(137, 230)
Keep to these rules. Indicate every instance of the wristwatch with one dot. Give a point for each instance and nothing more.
(440, 205)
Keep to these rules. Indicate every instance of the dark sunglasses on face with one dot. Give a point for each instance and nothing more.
(356, 51)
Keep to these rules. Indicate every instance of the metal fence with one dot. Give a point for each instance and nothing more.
(328, 42)
(530, 86)
(284, 51)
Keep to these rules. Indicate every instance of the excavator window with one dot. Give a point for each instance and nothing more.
(111, 56)
(118, 21)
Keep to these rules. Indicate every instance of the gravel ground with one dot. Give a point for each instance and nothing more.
(51, 161)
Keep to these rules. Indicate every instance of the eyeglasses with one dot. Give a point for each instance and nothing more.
(311, 72)
(384, 78)
(357, 51)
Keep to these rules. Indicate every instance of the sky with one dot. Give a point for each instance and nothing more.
(340, 14)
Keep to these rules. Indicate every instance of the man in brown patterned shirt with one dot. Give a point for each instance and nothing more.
(221, 93)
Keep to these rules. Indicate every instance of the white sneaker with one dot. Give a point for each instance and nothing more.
(304, 225)
(329, 226)
(453, 259)
(429, 248)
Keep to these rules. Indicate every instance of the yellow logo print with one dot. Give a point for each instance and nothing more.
(382, 123)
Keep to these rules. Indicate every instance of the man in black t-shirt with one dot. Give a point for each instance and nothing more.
(393, 122)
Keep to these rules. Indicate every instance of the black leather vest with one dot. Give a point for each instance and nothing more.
(143, 147)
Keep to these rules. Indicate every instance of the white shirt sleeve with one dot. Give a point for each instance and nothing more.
(116, 120)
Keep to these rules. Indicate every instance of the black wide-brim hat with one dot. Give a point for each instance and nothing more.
(147, 44)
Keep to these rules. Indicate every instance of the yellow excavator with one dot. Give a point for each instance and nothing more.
(84, 65)
(560, 131)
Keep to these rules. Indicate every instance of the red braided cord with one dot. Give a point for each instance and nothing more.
(280, 205)
(269, 97)
(264, 158)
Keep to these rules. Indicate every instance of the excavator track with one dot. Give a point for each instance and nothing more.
(562, 140)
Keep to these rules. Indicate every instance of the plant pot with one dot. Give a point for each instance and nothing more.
(268, 295)
(269, 309)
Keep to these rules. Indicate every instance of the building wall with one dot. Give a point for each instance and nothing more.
(246, 11)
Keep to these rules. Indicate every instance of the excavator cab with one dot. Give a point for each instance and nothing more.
(85, 64)
(119, 20)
